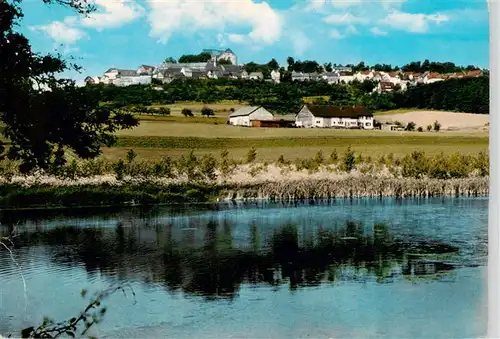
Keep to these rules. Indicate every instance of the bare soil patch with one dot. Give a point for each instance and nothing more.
(450, 121)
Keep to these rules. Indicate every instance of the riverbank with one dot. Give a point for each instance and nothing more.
(147, 192)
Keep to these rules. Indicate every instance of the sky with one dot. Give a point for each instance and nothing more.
(128, 33)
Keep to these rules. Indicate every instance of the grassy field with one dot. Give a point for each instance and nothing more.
(163, 127)
(367, 143)
(176, 135)
(221, 109)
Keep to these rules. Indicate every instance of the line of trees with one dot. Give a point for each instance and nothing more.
(462, 95)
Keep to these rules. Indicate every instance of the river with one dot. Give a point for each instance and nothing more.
(362, 268)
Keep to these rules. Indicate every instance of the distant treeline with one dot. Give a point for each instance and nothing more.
(462, 95)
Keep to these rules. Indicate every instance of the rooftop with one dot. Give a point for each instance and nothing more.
(326, 111)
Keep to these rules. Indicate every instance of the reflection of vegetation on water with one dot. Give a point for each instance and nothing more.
(207, 260)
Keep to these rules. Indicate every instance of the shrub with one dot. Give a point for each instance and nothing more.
(282, 162)
(225, 166)
(410, 127)
(131, 155)
(334, 157)
(164, 167)
(319, 158)
(187, 112)
(436, 126)
(208, 166)
(359, 159)
(429, 128)
(251, 155)
(438, 167)
(119, 168)
(163, 111)
(414, 165)
(188, 166)
(207, 112)
(482, 164)
(420, 129)
(348, 161)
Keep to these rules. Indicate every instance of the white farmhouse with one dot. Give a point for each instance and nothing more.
(245, 115)
(323, 116)
(132, 80)
(275, 76)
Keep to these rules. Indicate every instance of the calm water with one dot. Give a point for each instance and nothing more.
(326, 270)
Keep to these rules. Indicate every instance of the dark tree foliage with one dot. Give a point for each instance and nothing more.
(462, 95)
(43, 115)
(170, 60)
(224, 62)
(202, 57)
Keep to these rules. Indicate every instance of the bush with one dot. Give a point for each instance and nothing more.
(163, 111)
(410, 127)
(334, 157)
(319, 158)
(119, 169)
(251, 155)
(187, 112)
(131, 155)
(188, 166)
(420, 129)
(208, 167)
(348, 162)
(207, 112)
(414, 165)
(436, 126)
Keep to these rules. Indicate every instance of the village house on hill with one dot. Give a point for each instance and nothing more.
(222, 54)
(324, 116)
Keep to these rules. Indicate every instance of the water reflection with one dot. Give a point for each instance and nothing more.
(204, 258)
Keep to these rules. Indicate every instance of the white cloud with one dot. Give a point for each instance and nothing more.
(174, 16)
(113, 13)
(300, 42)
(237, 38)
(352, 30)
(412, 22)
(377, 31)
(346, 19)
(346, 3)
(62, 32)
(335, 33)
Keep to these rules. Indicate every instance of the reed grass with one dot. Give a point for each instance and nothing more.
(321, 176)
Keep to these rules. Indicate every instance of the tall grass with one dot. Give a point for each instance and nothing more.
(192, 167)
(130, 180)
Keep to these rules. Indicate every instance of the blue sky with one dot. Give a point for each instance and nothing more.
(127, 33)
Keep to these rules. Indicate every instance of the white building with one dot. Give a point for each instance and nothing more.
(256, 76)
(245, 115)
(331, 77)
(221, 54)
(323, 116)
(145, 70)
(132, 80)
(275, 76)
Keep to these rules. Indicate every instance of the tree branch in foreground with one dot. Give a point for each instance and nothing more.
(93, 314)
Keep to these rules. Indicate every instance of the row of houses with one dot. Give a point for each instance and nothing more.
(309, 116)
(167, 72)
(386, 81)
(215, 68)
